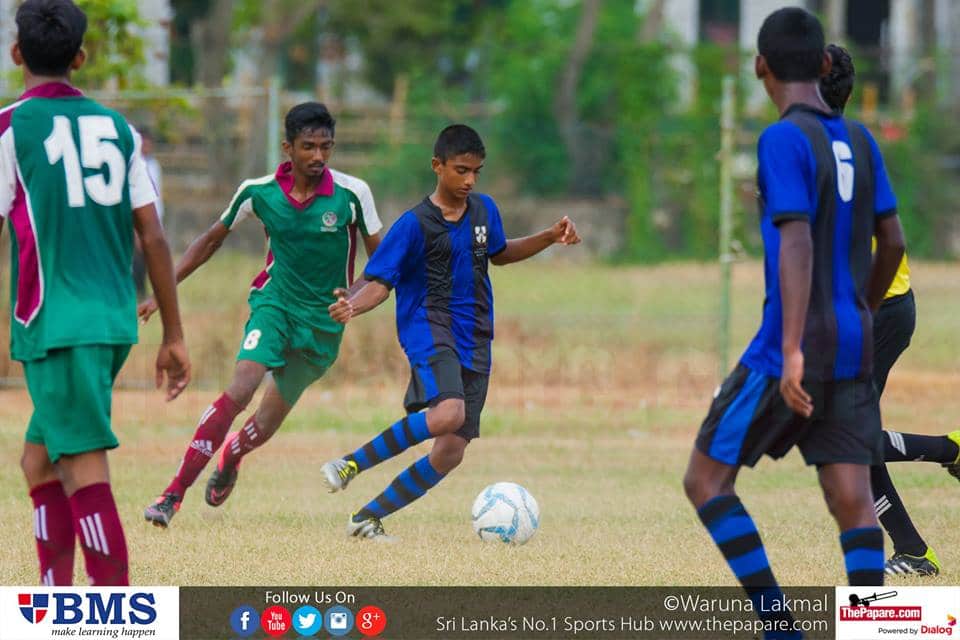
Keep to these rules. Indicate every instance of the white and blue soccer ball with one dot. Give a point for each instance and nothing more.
(505, 512)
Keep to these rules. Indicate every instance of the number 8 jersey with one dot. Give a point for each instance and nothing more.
(71, 174)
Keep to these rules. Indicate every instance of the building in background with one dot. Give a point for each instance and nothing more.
(897, 41)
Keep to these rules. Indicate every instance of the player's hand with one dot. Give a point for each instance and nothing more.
(790, 385)
(146, 309)
(172, 360)
(565, 232)
(341, 310)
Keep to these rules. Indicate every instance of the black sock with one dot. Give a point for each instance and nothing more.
(906, 447)
(893, 514)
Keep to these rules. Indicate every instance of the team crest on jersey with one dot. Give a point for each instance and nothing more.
(33, 606)
(329, 219)
(480, 246)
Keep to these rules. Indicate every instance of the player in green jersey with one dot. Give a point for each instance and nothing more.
(311, 214)
(74, 187)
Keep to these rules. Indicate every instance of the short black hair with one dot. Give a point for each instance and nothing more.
(308, 116)
(458, 139)
(49, 34)
(836, 86)
(791, 40)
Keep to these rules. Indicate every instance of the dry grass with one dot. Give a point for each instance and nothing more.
(602, 377)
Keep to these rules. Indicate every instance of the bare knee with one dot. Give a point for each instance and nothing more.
(851, 506)
(36, 466)
(272, 411)
(706, 479)
(246, 379)
(447, 416)
(447, 453)
(846, 490)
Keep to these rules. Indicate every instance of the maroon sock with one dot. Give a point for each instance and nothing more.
(53, 529)
(97, 526)
(242, 442)
(214, 425)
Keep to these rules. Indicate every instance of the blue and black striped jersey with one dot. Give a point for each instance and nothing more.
(439, 271)
(827, 170)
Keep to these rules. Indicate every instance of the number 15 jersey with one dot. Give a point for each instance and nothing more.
(71, 174)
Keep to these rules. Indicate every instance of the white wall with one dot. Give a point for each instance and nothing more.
(682, 19)
(157, 14)
(752, 15)
(7, 34)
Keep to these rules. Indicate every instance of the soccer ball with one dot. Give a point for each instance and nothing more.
(507, 512)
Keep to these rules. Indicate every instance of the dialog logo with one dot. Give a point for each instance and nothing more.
(307, 620)
(244, 621)
(33, 606)
(338, 620)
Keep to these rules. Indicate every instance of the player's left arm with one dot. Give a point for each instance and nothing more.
(8, 176)
(886, 260)
(564, 231)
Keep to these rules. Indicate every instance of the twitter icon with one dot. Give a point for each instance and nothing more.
(307, 621)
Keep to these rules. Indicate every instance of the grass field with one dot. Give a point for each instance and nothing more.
(601, 378)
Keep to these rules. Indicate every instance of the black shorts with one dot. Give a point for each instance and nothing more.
(749, 418)
(442, 377)
(893, 326)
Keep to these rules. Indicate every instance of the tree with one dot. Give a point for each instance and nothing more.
(565, 107)
(114, 49)
(403, 37)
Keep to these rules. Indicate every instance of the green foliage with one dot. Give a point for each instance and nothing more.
(524, 66)
(399, 37)
(114, 49)
(926, 191)
(404, 166)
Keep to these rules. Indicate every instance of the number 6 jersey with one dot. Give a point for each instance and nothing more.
(827, 171)
(71, 174)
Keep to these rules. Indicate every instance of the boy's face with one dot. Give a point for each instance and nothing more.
(459, 174)
(310, 151)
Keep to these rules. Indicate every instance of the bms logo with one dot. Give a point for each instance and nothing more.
(481, 234)
(33, 607)
(90, 608)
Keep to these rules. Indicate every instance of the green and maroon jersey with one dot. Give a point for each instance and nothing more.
(71, 174)
(312, 245)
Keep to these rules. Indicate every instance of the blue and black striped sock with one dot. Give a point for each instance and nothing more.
(863, 555)
(735, 534)
(397, 439)
(412, 483)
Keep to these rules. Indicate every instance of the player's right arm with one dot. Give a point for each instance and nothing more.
(400, 250)
(207, 243)
(369, 297)
(200, 250)
(787, 176)
(796, 275)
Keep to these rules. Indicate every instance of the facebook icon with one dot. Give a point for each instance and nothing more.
(245, 621)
